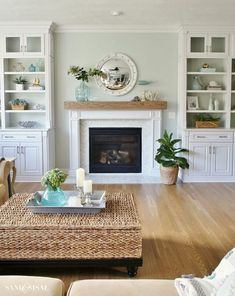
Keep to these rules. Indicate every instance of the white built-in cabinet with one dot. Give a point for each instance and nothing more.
(207, 44)
(212, 150)
(28, 156)
(20, 48)
(23, 44)
(209, 156)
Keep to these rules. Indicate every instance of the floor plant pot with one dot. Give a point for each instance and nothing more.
(169, 175)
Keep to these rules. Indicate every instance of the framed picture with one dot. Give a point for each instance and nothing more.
(192, 103)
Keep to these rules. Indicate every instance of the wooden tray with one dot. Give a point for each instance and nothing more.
(95, 207)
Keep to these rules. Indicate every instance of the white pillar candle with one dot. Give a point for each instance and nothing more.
(80, 176)
(74, 201)
(87, 186)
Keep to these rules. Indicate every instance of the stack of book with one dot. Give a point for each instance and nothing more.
(215, 87)
(36, 87)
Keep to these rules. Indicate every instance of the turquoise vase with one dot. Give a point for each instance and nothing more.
(197, 84)
(53, 197)
(82, 92)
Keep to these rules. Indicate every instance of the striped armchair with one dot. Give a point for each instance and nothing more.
(5, 168)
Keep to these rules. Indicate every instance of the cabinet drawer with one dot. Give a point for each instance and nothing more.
(34, 137)
(211, 136)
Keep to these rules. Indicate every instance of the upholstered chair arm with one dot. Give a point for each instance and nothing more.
(5, 167)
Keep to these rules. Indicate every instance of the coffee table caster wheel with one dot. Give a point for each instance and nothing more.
(132, 271)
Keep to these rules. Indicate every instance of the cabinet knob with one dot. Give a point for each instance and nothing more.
(9, 137)
(209, 149)
(22, 149)
(223, 137)
(201, 137)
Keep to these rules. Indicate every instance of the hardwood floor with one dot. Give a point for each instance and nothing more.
(187, 228)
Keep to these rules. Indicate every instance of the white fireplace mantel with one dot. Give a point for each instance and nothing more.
(150, 121)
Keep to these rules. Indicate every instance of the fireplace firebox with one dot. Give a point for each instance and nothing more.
(115, 150)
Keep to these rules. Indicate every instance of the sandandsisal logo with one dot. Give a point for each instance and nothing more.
(24, 288)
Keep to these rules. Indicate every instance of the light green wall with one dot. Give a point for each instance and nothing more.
(155, 55)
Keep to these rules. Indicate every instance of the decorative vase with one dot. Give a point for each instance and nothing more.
(53, 197)
(32, 68)
(211, 105)
(197, 84)
(82, 92)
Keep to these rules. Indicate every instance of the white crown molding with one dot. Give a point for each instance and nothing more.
(211, 27)
(12, 26)
(116, 29)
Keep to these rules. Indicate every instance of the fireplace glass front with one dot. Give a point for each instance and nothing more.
(115, 150)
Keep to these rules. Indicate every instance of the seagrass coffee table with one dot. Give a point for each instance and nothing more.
(109, 238)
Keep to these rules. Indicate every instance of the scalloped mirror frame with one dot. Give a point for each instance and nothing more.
(133, 74)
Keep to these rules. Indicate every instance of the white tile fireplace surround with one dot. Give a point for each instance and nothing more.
(148, 120)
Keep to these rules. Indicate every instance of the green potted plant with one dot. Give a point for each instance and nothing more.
(53, 195)
(204, 120)
(82, 92)
(20, 82)
(167, 157)
(18, 104)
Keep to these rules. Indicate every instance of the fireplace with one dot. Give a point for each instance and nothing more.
(115, 150)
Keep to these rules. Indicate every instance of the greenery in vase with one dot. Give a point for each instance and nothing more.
(167, 152)
(54, 178)
(205, 117)
(20, 80)
(81, 74)
(18, 102)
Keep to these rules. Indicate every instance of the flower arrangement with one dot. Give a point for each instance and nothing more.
(81, 74)
(53, 178)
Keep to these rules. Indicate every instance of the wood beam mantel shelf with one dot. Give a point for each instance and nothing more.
(108, 105)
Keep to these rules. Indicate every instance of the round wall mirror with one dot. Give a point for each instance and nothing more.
(121, 74)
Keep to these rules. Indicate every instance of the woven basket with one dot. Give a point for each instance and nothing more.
(18, 107)
(207, 124)
(169, 175)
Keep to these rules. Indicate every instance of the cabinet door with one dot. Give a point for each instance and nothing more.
(218, 44)
(31, 159)
(199, 159)
(13, 44)
(11, 149)
(197, 43)
(221, 159)
(33, 44)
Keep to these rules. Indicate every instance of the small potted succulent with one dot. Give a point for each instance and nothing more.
(18, 104)
(20, 82)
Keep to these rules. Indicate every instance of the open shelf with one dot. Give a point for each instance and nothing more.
(25, 91)
(24, 73)
(207, 73)
(25, 111)
(206, 111)
(207, 91)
